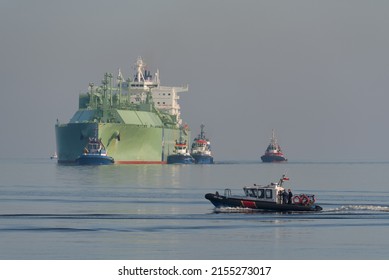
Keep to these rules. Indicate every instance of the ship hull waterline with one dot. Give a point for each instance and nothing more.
(202, 159)
(273, 158)
(126, 143)
(89, 159)
(180, 159)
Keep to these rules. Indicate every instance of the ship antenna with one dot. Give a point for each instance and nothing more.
(140, 65)
(202, 131)
(284, 178)
(120, 75)
(157, 77)
(105, 86)
(91, 92)
(119, 81)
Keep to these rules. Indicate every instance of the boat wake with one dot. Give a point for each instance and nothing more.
(341, 209)
(234, 210)
(358, 208)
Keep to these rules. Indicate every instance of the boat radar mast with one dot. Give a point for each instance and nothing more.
(143, 77)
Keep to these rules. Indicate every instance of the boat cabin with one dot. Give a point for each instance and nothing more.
(270, 193)
(181, 148)
(95, 147)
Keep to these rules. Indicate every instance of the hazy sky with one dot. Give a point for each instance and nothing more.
(315, 71)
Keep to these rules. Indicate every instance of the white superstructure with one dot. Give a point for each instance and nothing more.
(165, 98)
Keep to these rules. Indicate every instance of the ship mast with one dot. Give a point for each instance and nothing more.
(273, 139)
(119, 81)
(139, 69)
(202, 133)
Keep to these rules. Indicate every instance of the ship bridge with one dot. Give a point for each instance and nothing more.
(142, 92)
(165, 98)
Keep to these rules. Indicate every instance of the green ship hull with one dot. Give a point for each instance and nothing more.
(126, 143)
(132, 132)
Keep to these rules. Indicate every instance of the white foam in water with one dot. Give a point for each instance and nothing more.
(348, 208)
(233, 210)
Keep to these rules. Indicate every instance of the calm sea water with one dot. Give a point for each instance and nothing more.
(50, 211)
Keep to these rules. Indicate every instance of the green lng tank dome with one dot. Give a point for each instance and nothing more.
(137, 119)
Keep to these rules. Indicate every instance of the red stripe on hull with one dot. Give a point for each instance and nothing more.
(249, 204)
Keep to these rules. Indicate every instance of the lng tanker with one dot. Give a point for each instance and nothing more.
(137, 119)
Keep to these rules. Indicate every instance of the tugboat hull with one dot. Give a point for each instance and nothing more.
(202, 159)
(273, 158)
(180, 159)
(94, 160)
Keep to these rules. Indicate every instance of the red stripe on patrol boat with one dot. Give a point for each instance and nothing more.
(249, 204)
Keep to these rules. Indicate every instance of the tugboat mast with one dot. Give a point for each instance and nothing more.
(273, 139)
(202, 136)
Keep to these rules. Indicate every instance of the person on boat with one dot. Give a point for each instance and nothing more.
(290, 195)
(280, 197)
(285, 197)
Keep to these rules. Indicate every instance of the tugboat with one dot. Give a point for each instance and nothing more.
(273, 152)
(201, 149)
(94, 154)
(272, 197)
(181, 153)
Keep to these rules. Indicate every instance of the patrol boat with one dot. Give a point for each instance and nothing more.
(265, 198)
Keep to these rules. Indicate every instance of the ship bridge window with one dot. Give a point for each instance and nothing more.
(269, 194)
(261, 194)
(253, 193)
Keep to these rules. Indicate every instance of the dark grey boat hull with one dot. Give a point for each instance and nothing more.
(223, 201)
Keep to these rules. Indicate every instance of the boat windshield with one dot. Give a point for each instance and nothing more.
(259, 193)
(94, 146)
